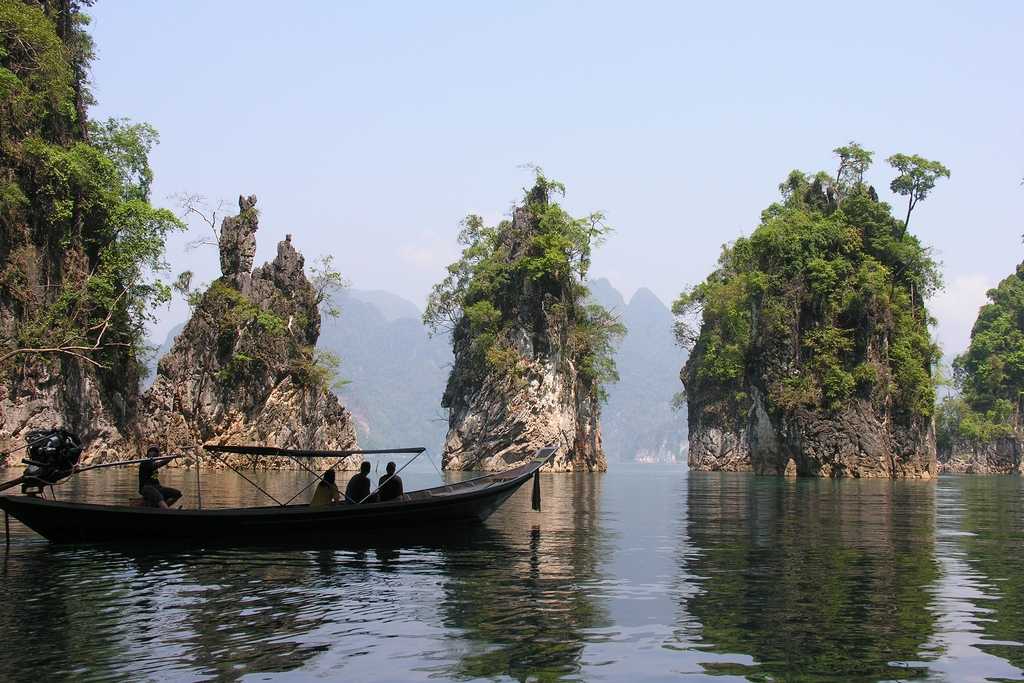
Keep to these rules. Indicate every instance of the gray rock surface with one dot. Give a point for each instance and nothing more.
(238, 239)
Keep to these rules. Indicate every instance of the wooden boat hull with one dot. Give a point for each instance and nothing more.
(465, 502)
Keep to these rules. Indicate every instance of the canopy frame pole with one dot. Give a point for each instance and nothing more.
(254, 484)
(371, 493)
(199, 483)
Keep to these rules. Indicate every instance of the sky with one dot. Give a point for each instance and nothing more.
(368, 130)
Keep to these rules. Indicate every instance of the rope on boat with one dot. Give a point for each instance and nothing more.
(27, 444)
(436, 468)
(318, 478)
(257, 486)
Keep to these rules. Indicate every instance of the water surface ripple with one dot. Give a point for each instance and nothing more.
(644, 573)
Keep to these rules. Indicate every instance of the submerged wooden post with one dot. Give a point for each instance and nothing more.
(535, 500)
(7, 529)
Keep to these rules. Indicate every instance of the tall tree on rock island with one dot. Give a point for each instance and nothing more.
(813, 354)
(917, 177)
(531, 354)
(79, 241)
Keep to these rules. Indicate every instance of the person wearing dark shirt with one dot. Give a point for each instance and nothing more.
(359, 485)
(390, 485)
(155, 495)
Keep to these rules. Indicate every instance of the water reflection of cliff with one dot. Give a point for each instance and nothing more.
(521, 600)
(983, 527)
(811, 577)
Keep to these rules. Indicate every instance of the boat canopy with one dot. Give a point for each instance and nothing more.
(300, 453)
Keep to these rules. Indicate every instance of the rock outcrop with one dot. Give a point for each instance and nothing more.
(528, 391)
(500, 423)
(999, 456)
(243, 370)
(814, 356)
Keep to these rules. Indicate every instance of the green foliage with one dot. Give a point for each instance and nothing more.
(956, 422)
(127, 145)
(234, 310)
(822, 303)
(854, 161)
(318, 368)
(990, 373)
(37, 74)
(917, 177)
(235, 370)
(537, 261)
(81, 201)
(327, 284)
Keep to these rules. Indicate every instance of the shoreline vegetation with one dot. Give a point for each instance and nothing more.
(810, 343)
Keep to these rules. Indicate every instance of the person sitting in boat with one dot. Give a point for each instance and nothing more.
(390, 485)
(155, 495)
(326, 491)
(359, 485)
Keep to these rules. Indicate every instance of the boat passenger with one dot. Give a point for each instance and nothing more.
(359, 485)
(155, 495)
(326, 491)
(390, 485)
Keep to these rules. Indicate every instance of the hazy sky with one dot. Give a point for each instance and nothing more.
(368, 130)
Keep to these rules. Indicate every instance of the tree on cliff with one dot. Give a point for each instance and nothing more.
(821, 308)
(516, 300)
(79, 242)
(989, 375)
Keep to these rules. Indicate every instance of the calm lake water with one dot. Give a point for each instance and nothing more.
(644, 573)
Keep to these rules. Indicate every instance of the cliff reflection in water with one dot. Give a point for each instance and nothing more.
(981, 598)
(523, 614)
(818, 577)
(643, 573)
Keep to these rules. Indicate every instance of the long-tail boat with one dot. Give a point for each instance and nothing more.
(470, 501)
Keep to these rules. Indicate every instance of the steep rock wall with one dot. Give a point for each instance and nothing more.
(242, 371)
(499, 419)
(963, 456)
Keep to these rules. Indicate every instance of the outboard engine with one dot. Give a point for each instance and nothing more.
(52, 455)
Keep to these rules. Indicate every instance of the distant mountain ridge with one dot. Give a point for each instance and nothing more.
(639, 422)
(396, 374)
(395, 371)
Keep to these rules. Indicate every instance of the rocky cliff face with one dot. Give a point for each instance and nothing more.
(243, 370)
(499, 418)
(500, 423)
(1000, 456)
(716, 420)
(859, 437)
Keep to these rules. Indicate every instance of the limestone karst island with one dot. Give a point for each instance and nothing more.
(530, 343)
